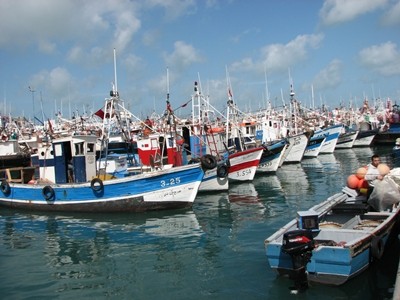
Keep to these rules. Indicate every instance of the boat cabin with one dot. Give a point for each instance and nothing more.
(69, 159)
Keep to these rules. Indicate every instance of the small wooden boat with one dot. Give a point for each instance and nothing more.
(332, 241)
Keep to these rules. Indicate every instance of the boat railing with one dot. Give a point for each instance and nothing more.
(18, 174)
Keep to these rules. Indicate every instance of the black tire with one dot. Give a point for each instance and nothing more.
(222, 171)
(5, 187)
(208, 162)
(97, 185)
(377, 247)
(48, 193)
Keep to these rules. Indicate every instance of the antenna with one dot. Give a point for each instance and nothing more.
(167, 84)
(115, 72)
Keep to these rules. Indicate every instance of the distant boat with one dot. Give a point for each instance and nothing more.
(314, 146)
(332, 135)
(365, 138)
(331, 242)
(346, 140)
(389, 135)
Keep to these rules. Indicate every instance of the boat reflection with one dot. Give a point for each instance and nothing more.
(243, 193)
(293, 178)
(269, 183)
(118, 228)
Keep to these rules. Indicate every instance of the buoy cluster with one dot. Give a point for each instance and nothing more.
(357, 181)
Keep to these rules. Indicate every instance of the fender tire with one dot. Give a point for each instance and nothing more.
(97, 185)
(377, 247)
(208, 162)
(222, 171)
(5, 187)
(48, 193)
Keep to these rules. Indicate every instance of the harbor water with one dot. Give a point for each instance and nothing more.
(213, 251)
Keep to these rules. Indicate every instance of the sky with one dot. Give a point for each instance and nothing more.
(58, 56)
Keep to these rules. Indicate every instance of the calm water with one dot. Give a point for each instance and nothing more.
(214, 250)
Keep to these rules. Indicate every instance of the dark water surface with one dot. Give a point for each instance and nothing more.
(213, 251)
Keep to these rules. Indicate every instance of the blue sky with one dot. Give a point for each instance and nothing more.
(63, 50)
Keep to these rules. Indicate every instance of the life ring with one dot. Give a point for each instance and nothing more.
(377, 247)
(97, 185)
(5, 187)
(48, 193)
(222, 171)
(208, 162)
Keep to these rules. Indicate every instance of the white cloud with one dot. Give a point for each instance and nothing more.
(340, 11)
(329, 77)
(383, 58)
(279, 57)
(55, 81)
(392, 16)
(173, 8)
(183, 56)
(70, 22)
(47, 47)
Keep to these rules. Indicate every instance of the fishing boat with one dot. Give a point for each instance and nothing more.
(314, 146)
(331, 134)
(332, 241)
(365, 137)
(65, 176)
(272, 157)
(85, 190)
(346, 140)
(296, 149)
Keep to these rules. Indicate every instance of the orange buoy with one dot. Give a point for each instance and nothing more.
(361, 173)
(383, 169)
(363, 184)
(352, 181)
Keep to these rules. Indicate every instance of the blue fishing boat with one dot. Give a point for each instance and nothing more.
(272, 156)
(332, 241)
(64, 177)
(331, 134)
(314, 146)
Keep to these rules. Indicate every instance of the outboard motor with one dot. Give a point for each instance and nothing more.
(299, 245)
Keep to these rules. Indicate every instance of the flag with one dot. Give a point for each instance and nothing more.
(100, 113)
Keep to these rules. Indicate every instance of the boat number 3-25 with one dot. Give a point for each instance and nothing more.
(171, 181)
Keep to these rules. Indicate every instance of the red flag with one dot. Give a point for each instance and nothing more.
(100, 113)
(229, 93)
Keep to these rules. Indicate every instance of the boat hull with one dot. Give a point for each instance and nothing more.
(346, 140)
(243, 165)
(296, 152)
(272, 156)
(163, 189)
(314, 147)
(212, 182)
(342, 249)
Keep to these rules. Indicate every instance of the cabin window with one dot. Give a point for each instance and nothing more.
(90, 148)
(79, 149)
